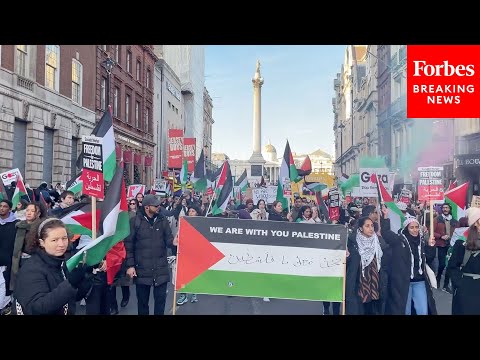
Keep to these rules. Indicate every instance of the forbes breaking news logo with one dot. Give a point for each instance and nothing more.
(442, 81)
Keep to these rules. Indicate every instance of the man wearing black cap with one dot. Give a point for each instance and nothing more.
(146, 260)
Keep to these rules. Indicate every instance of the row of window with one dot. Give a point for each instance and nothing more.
(129, 63)
(146, 123)
(171, 106)
(52, 69)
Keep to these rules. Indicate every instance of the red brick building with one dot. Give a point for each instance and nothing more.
(130, 95)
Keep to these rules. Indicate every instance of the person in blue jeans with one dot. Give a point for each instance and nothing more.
(408, 281)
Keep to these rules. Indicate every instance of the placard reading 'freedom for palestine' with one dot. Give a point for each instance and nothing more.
(261, 259)
(92, 162)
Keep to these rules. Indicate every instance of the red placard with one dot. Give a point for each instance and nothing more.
(175, 148)
(334, 213)
(93, 183)
(189, 145)
(434, 192)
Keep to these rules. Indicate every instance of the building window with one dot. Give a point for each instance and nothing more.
(147, 119)
(169, 104)
(127, 109)
(137, 114)
(73, 157)
(103, 92)
(20, 145)
(116, 94)
(148, 80)
(176, 110)
(52, 57)
(48, 136)
(22, 60)
(129, 62)
(139, 65)
(116, 53)
(77, 73)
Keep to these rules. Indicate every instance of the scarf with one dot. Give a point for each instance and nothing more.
(419, 249)
(368, 248)
(447, 217)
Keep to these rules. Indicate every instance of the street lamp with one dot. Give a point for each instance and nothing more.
(108, 64)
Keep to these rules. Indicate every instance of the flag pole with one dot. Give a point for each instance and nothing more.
(94, 218)
(174, 305)
(210, 206)
(431, 218)
(344, 281)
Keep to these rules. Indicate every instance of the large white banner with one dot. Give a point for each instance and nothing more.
(369, 188)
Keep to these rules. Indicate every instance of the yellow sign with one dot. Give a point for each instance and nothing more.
(322, 178)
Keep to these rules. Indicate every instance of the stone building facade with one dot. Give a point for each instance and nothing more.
(47, 102)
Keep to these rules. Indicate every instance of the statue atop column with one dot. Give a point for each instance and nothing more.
(257, 79)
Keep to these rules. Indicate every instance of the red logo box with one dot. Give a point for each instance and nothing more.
(443, 81)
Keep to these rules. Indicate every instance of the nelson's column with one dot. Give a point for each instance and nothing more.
(256, 160)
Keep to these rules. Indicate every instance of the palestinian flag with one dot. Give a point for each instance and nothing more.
(257, 264)
(342, 179)
(315, 186)
(237, 195)
(242, 181)
(115, 257)
(288, 168)
(75, 184)
(452, 185)
(280, 196)
(306, 168)
(78, 218)
(322, 208)
(394, 214)
(223, 190)
(348, 185)
(184, 173)
(3, 193)
(212, 177)
(457, 199)
(19, 192)
(114, 224)
(199, 176)
(104, 129)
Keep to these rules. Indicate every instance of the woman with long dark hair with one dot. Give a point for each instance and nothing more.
(464, 269)
(44, 285)
(408, 280)
(276, 214)
(260, 213)
(364, 281)
(34, 214)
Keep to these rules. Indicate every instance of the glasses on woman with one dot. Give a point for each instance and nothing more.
(132, 203)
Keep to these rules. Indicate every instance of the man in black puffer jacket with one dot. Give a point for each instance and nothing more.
(146, 247)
